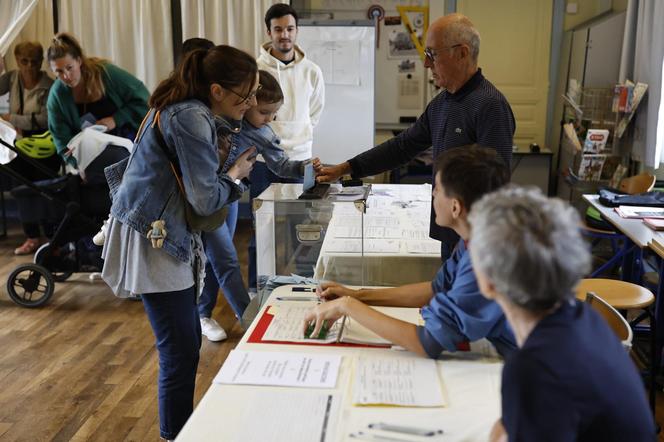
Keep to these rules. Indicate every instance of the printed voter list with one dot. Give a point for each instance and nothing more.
(279, 369)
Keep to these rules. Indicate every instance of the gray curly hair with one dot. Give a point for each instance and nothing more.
(529, 246)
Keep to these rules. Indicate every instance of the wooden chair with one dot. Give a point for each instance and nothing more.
(613, 317)
(640, 183)
(623, 295)
(597, 229)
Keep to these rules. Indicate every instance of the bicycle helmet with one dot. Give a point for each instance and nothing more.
(37, 146)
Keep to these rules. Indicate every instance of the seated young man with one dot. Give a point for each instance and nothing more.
(571, 378)
(454, 310)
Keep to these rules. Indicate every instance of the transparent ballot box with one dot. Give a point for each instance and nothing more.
(290, 232)
(371, 235)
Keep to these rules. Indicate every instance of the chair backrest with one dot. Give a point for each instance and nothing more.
(615, 320)
(643, 182)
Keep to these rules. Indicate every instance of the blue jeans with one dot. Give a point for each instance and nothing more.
(223, 269)
(177, 331)
(261, 177)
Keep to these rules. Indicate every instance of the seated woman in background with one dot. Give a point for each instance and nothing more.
(90, 90)
(570, 379)
(28, 89)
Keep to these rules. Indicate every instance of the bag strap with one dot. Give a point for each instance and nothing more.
(172, 158)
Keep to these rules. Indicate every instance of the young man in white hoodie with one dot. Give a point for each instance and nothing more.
(301, 81)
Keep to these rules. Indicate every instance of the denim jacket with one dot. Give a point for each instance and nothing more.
(144, 189)
(267, 144)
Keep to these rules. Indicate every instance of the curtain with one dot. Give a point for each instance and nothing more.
(13, 16)
(38, 27)
(133, 34)
(643, 52)
(238, 23)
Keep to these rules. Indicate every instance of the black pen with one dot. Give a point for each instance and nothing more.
(303, 289)
(403, 429)
(297, 298)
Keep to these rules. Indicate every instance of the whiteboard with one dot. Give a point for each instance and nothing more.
(345, 51)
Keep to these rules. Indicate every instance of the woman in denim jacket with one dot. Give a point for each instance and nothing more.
(206, 93)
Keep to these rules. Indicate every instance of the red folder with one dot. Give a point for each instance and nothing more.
(263, 323)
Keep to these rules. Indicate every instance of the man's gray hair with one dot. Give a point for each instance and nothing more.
(462, 31)
(529, 246)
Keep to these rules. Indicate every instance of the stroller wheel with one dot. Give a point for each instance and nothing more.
(61, 276)
(30, 285)
(42, 258)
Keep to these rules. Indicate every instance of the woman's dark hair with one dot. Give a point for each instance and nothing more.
(279, 10)
(224, 65)
(194, 43)
(469, 172)
(270, 91)
(30, 49)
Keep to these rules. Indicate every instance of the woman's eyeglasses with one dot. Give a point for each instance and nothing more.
(248, 98)
(30, 61)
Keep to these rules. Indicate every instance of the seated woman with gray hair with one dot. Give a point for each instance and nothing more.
(570, 379)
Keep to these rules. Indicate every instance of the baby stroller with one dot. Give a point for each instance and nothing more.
(82, 206)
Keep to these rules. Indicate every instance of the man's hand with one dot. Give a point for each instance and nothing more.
(498, 433)
(328, 174)
(329, 291)
(109, 122)
(243, 165)
(325, 313)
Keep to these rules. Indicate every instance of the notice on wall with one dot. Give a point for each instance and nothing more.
(339, 61)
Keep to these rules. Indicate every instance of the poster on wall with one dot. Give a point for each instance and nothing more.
(401, 45)
(339, 61)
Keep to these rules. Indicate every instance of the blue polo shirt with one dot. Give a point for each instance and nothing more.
(573, 381)
(459, 313)
(476, 113)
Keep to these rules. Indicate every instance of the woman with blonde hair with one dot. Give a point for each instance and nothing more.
(90, 90)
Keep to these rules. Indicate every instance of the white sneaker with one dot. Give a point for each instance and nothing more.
(212, 330)
(100, 238)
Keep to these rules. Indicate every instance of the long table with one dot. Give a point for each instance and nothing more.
(471, 386)
(640, 238)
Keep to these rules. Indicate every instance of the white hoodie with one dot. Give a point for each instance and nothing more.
(304, 97)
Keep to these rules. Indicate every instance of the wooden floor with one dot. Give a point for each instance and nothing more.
(84, 367)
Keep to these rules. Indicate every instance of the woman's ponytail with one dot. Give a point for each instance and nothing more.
(223, 65)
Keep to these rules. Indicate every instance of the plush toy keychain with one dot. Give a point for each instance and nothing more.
(157, 233)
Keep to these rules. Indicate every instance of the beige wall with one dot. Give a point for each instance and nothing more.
(589, 9)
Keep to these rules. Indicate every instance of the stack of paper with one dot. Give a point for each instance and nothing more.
(640, 212)
(279, 369)
(293, 416)
(406, 382)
